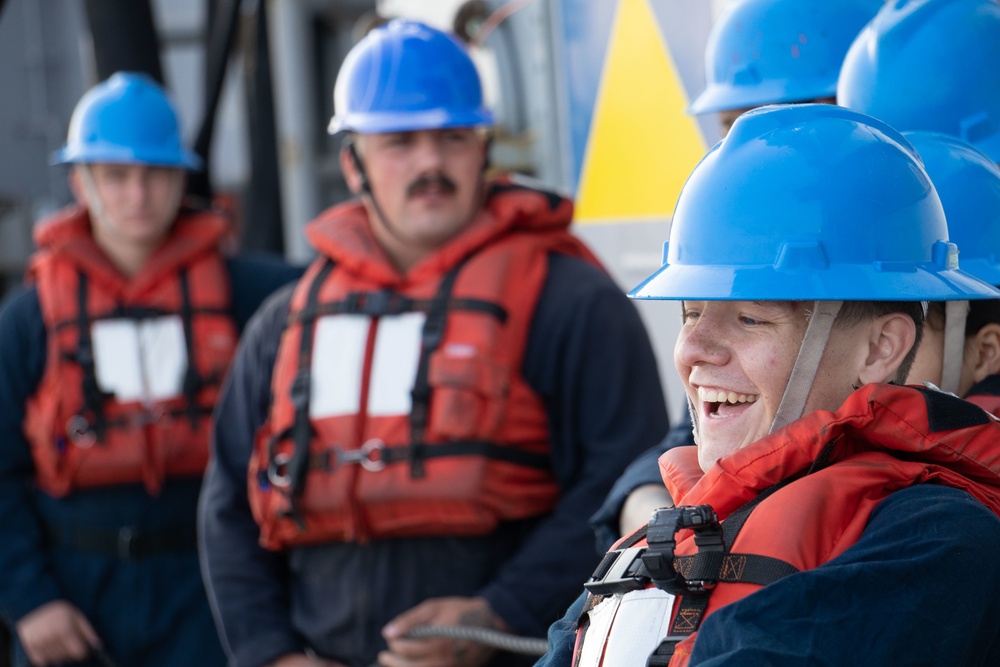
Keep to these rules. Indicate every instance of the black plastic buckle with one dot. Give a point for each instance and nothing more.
(619, 572)
(661, 541)
(377, 303)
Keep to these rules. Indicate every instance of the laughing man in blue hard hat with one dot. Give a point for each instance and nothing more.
(827, 515)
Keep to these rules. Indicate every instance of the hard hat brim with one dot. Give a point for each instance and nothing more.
(848, 283)
(113, 154)
(410, 121)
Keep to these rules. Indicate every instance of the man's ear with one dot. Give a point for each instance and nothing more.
(982, 352)
(890, 339)
(348, 166)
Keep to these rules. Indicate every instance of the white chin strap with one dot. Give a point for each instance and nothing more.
(793, 401)
(955, 315)
(694, 418)
(94, 203)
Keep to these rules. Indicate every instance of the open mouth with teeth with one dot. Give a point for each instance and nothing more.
(719, 403)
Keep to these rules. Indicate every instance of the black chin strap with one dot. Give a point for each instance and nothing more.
(366, 189)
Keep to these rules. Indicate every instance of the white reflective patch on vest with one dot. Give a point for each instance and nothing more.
(140, 360)
(338, 358)
(394, 365)
(626, 629)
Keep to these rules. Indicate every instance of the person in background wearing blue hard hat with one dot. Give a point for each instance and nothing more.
(415, 435)
(777, 51)
(930, 65)
(759, 52)
(112, 357)
(960, 352)
(826, 516)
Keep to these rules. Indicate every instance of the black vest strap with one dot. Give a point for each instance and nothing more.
(93, 417)
(302, 430)
(194, 382)
(433, 334)
(387, 302)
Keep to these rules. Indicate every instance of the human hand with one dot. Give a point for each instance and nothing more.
(303, 660)
(640, 504)
(55, 633)
(439, 652)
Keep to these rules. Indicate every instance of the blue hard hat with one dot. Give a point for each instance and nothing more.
(769, 51)
(127, 119)
(810, 202)
(930, 65)
(407, 76)
(968, 183)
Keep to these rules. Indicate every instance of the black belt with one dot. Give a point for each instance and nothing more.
(125, 543)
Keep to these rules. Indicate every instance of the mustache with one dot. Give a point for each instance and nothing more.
(431, 180)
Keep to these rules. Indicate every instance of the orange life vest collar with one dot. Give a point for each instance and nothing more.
(68, 234)
(343, 233)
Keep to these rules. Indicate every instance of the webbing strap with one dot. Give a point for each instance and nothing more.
(193, 380)
(733, 567)
(302, 430)
(387, 302)
(433, 334)
(793, 401)
(93, 397)
(377, 458)
(955, 315)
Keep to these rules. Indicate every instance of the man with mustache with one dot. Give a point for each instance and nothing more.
(415, 435)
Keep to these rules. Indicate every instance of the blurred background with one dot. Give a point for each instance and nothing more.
(590, 98)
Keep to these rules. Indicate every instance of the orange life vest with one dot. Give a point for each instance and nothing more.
(399, 406)
(82, 435)
(802, 496)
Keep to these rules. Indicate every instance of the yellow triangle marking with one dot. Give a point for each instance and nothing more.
(642, 145)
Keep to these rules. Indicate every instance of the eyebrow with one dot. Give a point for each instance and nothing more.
(776, 305)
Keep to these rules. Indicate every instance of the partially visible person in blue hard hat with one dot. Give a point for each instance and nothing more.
(777, 51)
(759, 52)
(960, 351)
(416, 434)
(112, 357)
(930, 65)
(827, 514)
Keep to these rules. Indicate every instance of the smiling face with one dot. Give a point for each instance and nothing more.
(735, 358)
(427, 186)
